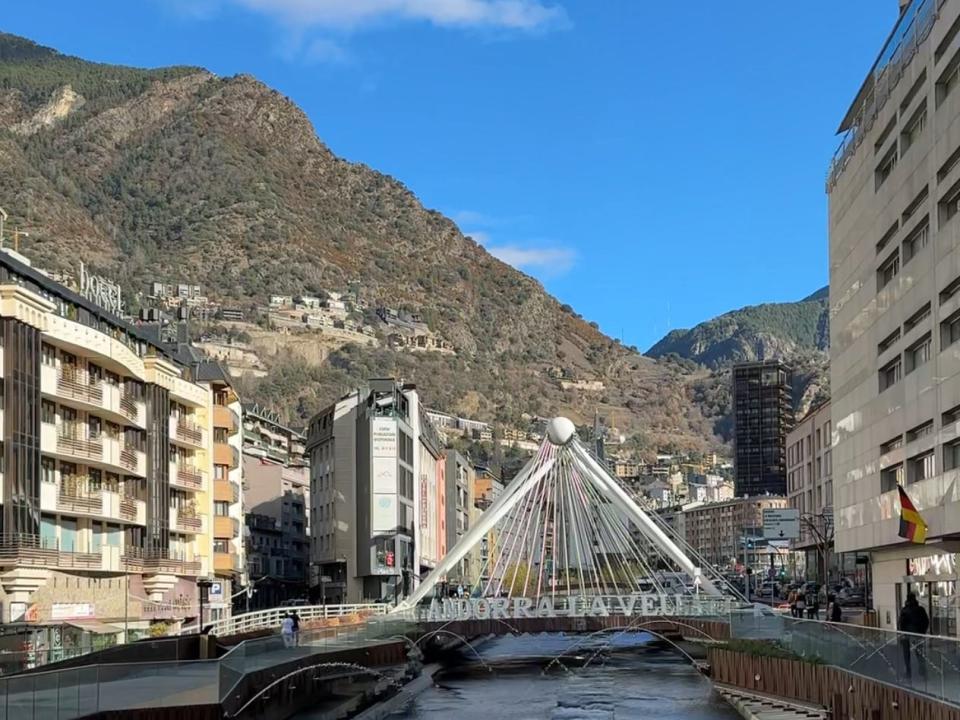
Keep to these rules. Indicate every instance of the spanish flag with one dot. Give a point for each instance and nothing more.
(912, 526)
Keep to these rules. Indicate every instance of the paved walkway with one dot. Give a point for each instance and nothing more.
(760, 707)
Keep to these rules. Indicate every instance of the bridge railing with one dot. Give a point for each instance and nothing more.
(273, 617)
(927, 664)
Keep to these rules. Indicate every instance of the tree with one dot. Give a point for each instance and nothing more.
(516, 578)
(820, 526)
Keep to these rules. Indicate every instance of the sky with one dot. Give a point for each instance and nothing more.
(654, 164)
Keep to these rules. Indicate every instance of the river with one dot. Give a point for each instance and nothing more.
(629, 683)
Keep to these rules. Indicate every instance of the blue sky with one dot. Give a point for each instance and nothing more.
(653, 163)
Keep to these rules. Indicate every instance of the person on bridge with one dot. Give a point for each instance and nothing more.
(286, 631)
(296, 627)
(913, 619)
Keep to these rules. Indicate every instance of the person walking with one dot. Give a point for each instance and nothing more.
(296, 628)
(792, 602)
(836, 612)
(801, 605)
(813, 605)
(286, 631)
(913, 619)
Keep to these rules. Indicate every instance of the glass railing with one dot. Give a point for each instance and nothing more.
(927, 664)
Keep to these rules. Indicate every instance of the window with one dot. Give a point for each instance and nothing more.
(920, 467)
(219, 472)
(48, 355)
(951, 455)
(48, 531)
(888, 342)
(885, 133)
(220, 435)
(918, 353)
(891, 477)
(915, 204)
(913, 128)
(912, 92)
(885, 167)
(888, 270)
(890, 374)
(920, 431)
(221, 546)
(950, 330)
(48, 473)
(950, 290)
(951, 416)
(917, 240)
(918, 317)
(949, 204)
(891, 231)
(48, 412)
(221, 508)
(948, 79)
(891, 445)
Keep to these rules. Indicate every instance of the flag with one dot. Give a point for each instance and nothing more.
(912, 526)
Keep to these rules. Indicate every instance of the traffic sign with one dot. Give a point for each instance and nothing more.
(781, 524)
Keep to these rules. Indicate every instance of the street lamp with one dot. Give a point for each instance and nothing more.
(203, 585)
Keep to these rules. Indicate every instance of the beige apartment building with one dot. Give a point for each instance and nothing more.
(810, 491)
(109, 479)
(894, 190)
(716, 532)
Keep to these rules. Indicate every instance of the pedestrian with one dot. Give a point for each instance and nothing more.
(792, 602)
(813, 605)
(801, 604)
(913, 619)
(460, 590)
(296, 628)
(286, 631)
(836, 612)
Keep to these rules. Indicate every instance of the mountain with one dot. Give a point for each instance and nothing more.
(177, 175)
(757, 332)
(797, 332)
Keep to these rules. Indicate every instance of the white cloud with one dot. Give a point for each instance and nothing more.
(481, 237)
(349, 14)
(470, 217)
(548, 260)
(326, 51)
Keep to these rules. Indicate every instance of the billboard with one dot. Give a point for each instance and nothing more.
(384, 475)
(384, 518)
(384, 438)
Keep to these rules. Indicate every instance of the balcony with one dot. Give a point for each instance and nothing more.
(159, 561)
(186, 431)
(186, 477)
(225, 527)
(112, 401)
(186, 520)
(75, 440)
(128, 509)
(76, 496)
(226, 562)
(226, 491)
(224, 454)
(18, 550)
(224, 417)
(78, 385)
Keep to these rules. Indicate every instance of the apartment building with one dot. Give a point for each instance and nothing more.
(763, 415)
(432, 496)
(487, 487)
(717, 531)
(894, 193)
(367, 511)
(810, 491)
(460, 477)
(108, 465)
(276, 505)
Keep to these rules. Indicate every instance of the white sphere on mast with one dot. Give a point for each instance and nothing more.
(560, 430)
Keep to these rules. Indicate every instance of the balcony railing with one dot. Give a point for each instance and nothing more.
(129, 407)
(186, 476)
(159, 561)
(25, 549)
(77, 496)
(128, 508)
(129, 459)
(189, 432)
(75, 439)
(189, 523)
(78, 385)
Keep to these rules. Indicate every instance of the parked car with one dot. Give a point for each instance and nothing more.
(851, 596)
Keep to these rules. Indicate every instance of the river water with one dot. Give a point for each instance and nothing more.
(631, 682)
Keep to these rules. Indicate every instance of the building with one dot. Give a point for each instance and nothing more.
(365, 505)
(810, 491)
(108, 470)
(487, 487)
(728, 535)
(276, 503)
(460, 489)
(763, 415)
(432, 496)
(893, 190)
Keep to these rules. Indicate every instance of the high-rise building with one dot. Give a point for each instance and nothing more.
(894, 189)
(109, 459)
(460, 490)
(763, 414)
(276, 503)
(367, 513)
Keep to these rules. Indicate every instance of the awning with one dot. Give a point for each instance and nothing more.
(94, 626)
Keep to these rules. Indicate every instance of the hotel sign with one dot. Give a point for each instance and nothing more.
(645, 605)
(101, 291)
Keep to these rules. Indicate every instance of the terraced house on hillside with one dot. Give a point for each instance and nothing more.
(121, 476)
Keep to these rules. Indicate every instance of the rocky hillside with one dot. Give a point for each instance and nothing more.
(797, 332)
(181, 176)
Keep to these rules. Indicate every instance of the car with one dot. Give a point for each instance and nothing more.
(851, 596)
